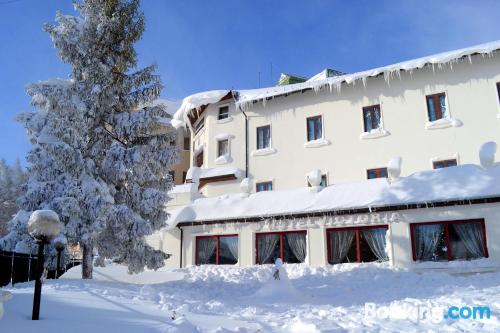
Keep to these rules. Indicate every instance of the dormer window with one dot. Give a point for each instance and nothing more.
(223, 112)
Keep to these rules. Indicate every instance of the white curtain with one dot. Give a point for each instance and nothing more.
(376, 241)
(206, 248)
(232, 245)
(266, 246)
(297, 244)
(340, 242)
(471, 234)
(427, 238)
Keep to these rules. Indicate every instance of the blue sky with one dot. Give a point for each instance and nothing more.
(204, 45)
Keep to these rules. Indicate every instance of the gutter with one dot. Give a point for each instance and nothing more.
(246, 141)
(352, 211)
(182, 241)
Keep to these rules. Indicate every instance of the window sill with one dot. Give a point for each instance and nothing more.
(225, 120)
(224, 159)
(443, 123)
(263, 152)
(223, 136)
(374, 134)
(458, 266)
(317, 143)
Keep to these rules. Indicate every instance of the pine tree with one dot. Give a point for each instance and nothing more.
(12, 180)
(101, 148)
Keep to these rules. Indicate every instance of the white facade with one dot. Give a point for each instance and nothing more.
(343, 153)
(347, 152)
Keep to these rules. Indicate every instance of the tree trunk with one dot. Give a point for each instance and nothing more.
(87, 261)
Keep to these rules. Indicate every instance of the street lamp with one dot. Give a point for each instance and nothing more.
(60, 243)
(44, 226)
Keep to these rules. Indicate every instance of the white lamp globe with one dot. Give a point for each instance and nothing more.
(44, 225)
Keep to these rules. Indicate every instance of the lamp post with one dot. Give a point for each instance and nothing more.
(44, 226)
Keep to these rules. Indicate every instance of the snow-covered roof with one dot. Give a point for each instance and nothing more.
(463, 182)
(245, 98)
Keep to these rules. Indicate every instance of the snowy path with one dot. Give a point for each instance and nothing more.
(222, 299)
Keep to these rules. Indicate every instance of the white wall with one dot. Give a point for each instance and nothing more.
(472, 98)
(316, 233)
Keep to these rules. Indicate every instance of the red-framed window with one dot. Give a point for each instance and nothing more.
(376, 173)
(436, 106)
(449, 240)
(444, 163)
(264, 137)
(264, 186)
(314, 128)
(290, 246)
(216, 250)
(356, 244)
(371, 117)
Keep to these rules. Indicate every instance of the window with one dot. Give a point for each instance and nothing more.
(314, 128)
(199, 159)
(222, 147)
(371, 117)
(223, 112)
(498, 91)
(264, 186)
(217, 250)
(357, 244)
(187, 142)
(264, 137)
(290, 246)
(172, 174)
(376, 173)
(324, 181)
(444, 164)
(436, 106)
(448, 240)
(199, 126)
(184, 174)
(172, 142)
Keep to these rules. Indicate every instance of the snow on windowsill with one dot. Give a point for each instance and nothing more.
(224, 159)
(223, 136)
(225, 120)
(443, 123)
(374, 133)
(263, 152)
(458, 266)
(317, 143)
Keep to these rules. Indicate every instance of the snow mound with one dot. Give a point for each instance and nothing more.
(487, 154)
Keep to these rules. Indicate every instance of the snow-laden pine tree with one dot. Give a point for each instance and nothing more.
(101, 149)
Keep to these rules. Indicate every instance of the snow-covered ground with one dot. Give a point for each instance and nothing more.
(232, 299)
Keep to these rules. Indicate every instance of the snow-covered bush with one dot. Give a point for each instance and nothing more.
(101, 150)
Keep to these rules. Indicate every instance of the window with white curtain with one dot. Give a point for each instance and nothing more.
(290, 246)
(449, 240)
(217, 250)
(356, 244)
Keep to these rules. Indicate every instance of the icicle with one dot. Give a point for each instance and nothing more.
(363, 79)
